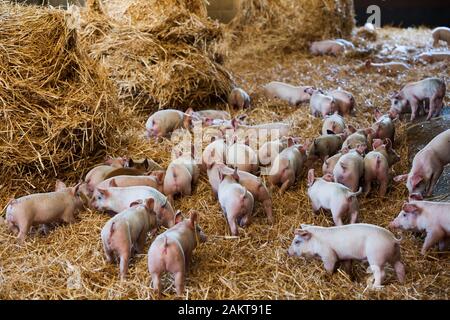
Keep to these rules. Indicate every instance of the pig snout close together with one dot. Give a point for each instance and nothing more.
(239, 99)
(125, 233)
(441, 34)
(410, 97)
(116, 199)
(345, 243)
(172, 250)
(326, 194)
(294, 95)
(236, 202)
(428, 165)
(42, 209)
(287, 166)
(322, 104)
(432, 217)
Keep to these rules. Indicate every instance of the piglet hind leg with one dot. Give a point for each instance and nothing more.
(433, 237)
(179, 283)
(156, 283)
(285, 186)
(378, 274)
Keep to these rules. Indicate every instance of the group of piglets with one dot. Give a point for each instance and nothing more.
(131, 191)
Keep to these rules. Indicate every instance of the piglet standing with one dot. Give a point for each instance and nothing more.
(322, 104)
(428, 165)
(325, 146)
(294, 95)
(238, 98)
(432, 217)
(350, 168)
(287, 166)
(329, 163)
(358, 137)
(358, 241)
(432, 57)
(116, 199)
(441, 33)
(377, 164)
(384, 127)
(236, 202)
(413, 94)
(329, 195)
(345, 102)
(125, 233)
(43, 208)
(243, 157)
(171, 251)
(249, 181)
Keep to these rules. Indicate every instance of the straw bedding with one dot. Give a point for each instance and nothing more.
(69, 261)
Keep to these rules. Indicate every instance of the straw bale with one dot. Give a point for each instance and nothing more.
(55, 101)
(284, 25)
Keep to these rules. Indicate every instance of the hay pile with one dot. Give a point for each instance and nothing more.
(285, 25)
(57, 105)
(164, 56)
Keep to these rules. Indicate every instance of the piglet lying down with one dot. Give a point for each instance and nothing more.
(350, 242)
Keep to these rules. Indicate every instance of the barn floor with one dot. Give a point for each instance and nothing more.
(68, 263)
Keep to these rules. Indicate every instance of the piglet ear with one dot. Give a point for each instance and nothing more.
(59, 185)
(136, 203)
(221, 176)
(150, 204)
(159, 175)
(305, 235)
(290, 142)
(361, 148)
(113, 183)
(416, 179)
(411, 208)
(311, 177)
(235, 175)
(189, 111)
(328, 177)
(178, 217)
(193, 217)
(376, 143)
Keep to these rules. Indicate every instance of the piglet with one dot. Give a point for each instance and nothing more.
(155, 181)
(125, 233)
(322, 104)
(294, 95)
(331, 47)
(164, 122)
(440, 34)
(333, 124)
(414, 93)
(236, 202)
(384, 127)
(287, 166)
(181, 175)
(428, 165)
(43, 208)
(358, 241)
(270, 149)
(350, 168)
(214, 152)
(345, 102)
(208, 114)
(144, 165)
(118, 162)
(329, 163)
(432, 217)
(239, 99)
(377, 164)
(115, 200)
(249, 181)
(358, 137)
(243, 157)
(325, 146)
(326, 194)
(171, 251)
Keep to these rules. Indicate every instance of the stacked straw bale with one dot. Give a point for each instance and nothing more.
(287, 25)
(164, 56)
(56, 103)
